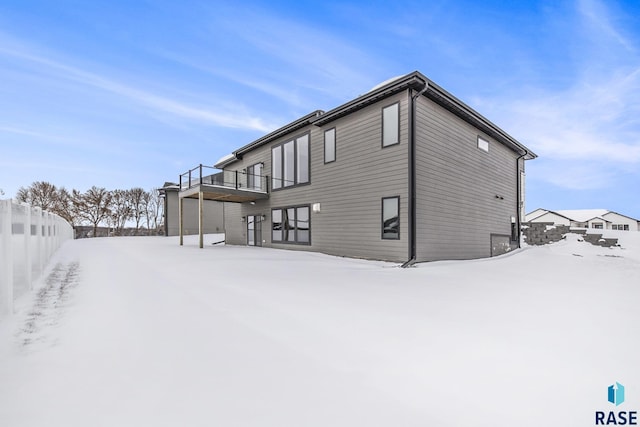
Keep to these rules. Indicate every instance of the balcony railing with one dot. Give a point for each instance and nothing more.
(209, 176)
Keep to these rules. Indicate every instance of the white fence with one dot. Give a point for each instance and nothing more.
(28, 238)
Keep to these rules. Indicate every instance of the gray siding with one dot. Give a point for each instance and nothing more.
(457, 184)
(234, 232)
(349, 190)
(213, 220)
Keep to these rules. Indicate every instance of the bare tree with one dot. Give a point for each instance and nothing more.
(65, 207)
(120, 210)
(93, 205)
(154, 208)
(138, 200)
(40, 194)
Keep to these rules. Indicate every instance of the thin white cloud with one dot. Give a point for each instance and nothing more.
(598, 19)
(300, 54)
(233, 119)
(589, 131)
(593, 120)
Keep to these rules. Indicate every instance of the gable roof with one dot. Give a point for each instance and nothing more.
(582, 215)
(597, 217)
(544, 212)
(626, 216)
(414, 80)
(579, 215)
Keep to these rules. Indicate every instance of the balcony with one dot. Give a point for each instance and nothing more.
(223, 186)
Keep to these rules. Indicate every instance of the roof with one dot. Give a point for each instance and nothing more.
(582, 215)
(597, 217)
(414, 80)
(626, 216)
(544, 212)
(579, 215)
(291, 127)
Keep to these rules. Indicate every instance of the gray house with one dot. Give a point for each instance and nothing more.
(404, 173)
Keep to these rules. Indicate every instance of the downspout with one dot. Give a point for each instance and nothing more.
(412, 177)
(519, 197)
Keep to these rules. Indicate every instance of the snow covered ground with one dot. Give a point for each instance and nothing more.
(142, 332)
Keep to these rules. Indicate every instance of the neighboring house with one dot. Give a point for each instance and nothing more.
(599, 219)
(405, 172)
(213, 213)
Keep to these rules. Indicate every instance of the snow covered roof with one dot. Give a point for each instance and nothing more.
(578, 215)
(582, 215)
(223, 160)
(598, 217)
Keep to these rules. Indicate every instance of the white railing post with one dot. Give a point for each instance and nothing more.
(6, 258)
(47, 236)
(39, 261)
(27, 245)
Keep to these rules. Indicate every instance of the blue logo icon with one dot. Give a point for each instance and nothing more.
(616, 394)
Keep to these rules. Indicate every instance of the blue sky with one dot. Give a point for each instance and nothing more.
(132, 93)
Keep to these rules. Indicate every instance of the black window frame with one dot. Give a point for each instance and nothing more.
(335, 151)
(284, 220)
(382, 220)
(281, 145)
(396, 104)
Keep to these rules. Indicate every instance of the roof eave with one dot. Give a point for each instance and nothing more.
(413, 80)
(288, 128)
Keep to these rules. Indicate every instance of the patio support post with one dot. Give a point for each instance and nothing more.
(200, 215)
(181, 215)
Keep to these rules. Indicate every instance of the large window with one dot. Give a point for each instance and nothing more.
(291, 225)
(391, 218)
(330, 145)
(290, 163)
(276, 167)
(254, 177)
(391, 125)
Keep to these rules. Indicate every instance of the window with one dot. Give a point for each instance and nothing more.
(276, 225)
(276, 167)
(391, 125)
(597, 225)
(330, 145)
(483, 144)
(254, 177)
(302, 159)
(391, 218)
(620, 227)
(290, 163)
(291, 225)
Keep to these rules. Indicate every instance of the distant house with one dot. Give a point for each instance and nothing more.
(405, 172)
(599, 219)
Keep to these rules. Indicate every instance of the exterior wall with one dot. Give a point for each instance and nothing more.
(349, 190)
(553, 218)
(213, 215)
(457, 184)
(616, 218)
(234, 233)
